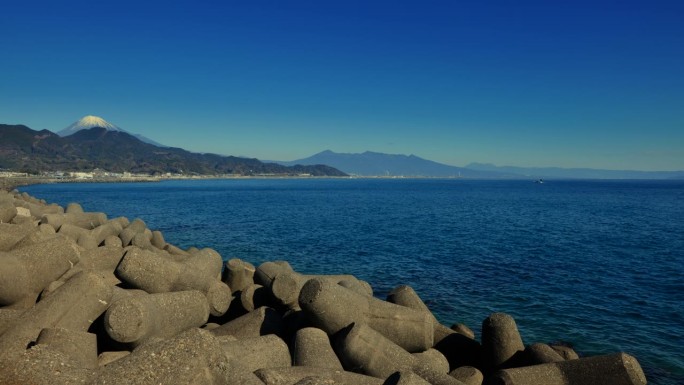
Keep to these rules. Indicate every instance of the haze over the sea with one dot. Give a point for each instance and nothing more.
(529, 83)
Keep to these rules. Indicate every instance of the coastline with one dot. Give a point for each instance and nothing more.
(11, 183)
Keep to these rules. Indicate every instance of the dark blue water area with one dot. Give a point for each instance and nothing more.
(597, 264)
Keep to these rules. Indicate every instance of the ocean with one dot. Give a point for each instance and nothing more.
(595, 264)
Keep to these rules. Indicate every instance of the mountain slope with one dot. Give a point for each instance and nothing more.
(379, 164)
(91, 121)
(23, 149)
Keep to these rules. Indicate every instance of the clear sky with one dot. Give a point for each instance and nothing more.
(526, 83)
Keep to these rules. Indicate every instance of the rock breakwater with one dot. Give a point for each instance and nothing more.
(95, 300)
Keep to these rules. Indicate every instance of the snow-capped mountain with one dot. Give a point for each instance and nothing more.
(86, 122)
(91, 121)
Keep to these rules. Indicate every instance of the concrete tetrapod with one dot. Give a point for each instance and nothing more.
(285, 283)
(75, 305)
(261, 321)
(192, 357)
(611, 369)
(137, 318)
(458, 347)
(268, 351)
(155, 274)
(502, 345)
(129, 232)
(294, 374)
(468, 375)
(312, 347)
(80, 347)
(26, 271)
(541, 354)
(238, 274)
(362, 349)
(332, 307)
(405, 378)
(83, 220)
(404, 295)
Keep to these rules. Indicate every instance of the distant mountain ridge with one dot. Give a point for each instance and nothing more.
(378, 164)
(576, 173)
(24, 149)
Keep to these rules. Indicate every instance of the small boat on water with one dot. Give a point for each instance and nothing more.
(539, 180)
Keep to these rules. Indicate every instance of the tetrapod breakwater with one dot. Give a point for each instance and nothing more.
(95, 300)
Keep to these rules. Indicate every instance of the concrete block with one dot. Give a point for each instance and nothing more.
(292, 375)
(364, 350)
(311, 347)
(207, 261)
(26, 271)
(255, 296)
(74, 306)
(173, 250)
(238, 274)
(332, 307)
(566, 352)
(87, 221)
(502, 345)
(158, 240)
(39, 234)
(7, 212)
(110, 229)
(138, 318)
(404, 295)
(71, 231)
(267, 271)
(433, 360)
(612, 369)
(463, 329)
(73, 208)
(80, 347)
(315, 380)
(286, 286)
(11, 234)
(8, 317)
(357, 285)
(541, 354)
(133, 228)
(153, 273)
(106, 358)
(468, 375)
(142, 241)
(261, 321)
(113, 241)
(38, 209)
(192, 357)
(42, 365)
(405, 378)
(268, 351)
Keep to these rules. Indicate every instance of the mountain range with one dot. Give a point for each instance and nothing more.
(92, 142)
(378, 164)
(576, 173)
(27, 150)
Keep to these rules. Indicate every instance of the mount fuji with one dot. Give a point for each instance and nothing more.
(91, 121)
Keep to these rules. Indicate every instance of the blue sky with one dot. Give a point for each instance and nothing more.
(527, 83)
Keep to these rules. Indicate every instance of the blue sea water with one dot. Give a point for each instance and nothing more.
(597, 264)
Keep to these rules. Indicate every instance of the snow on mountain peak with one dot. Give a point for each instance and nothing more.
(88, 122)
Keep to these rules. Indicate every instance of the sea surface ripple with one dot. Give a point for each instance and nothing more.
(597, 264)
